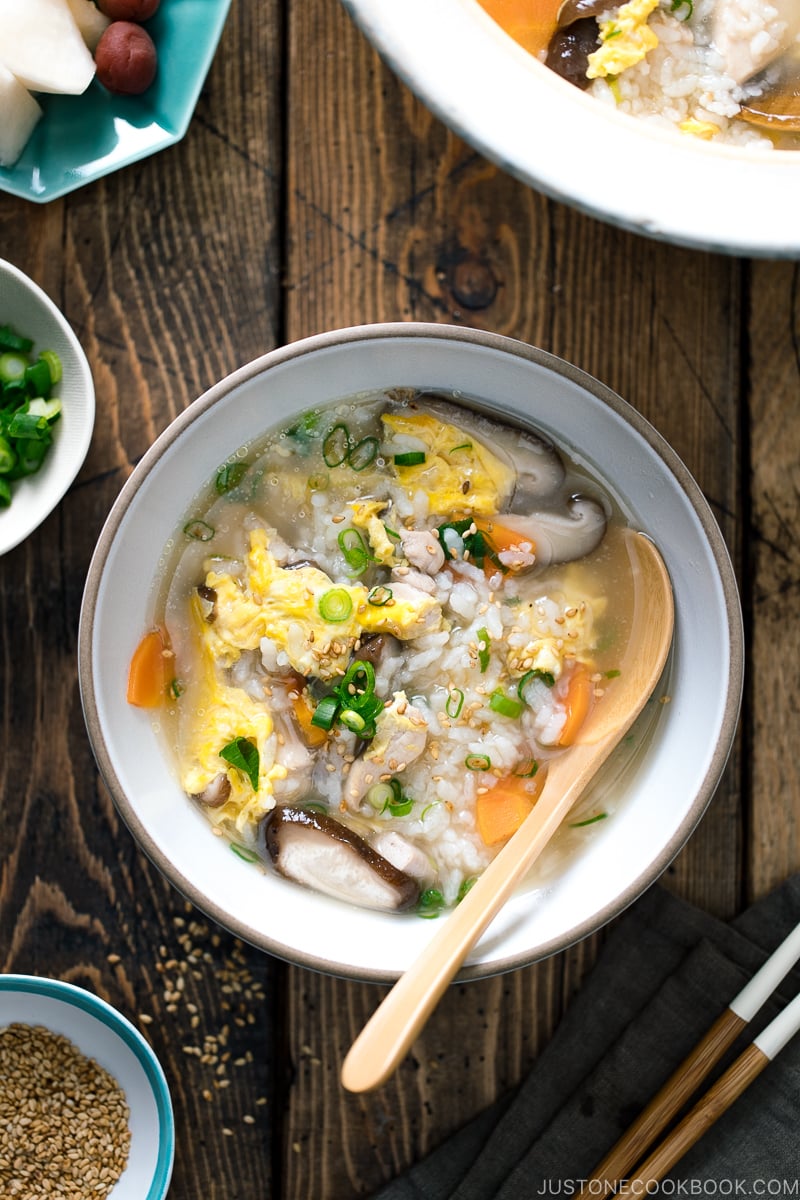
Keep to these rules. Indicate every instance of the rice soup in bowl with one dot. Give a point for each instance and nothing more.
(644, 173)
(440, 665)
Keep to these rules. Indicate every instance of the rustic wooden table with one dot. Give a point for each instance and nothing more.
(313, 191)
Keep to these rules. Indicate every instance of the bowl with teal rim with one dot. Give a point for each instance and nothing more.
(101, 1033)
(80, 139)
(596, 870)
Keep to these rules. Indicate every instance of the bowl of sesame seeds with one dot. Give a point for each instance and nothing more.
(85, 1110)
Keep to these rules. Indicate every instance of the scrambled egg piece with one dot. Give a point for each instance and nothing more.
(289, 607)
(702, 129)
(230, 713)
(624, 40)
(459, 475)
(365, 516)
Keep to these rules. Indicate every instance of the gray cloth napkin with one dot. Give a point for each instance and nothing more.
(665, 973)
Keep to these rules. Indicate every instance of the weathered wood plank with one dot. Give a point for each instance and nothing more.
(169, 273)
(393, 217)
(773, 731)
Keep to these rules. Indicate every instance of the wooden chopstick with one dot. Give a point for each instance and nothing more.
(719, 1097)
(683, 1083)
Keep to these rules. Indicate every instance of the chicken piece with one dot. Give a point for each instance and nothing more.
(423, 550)
(400, 737)
(403, 854)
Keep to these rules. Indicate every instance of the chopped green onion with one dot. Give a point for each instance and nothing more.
(325, 713)
(499, 702)
(463, 446)
(379, 596)
(199, 531)
(53, 365)
(228, 477)
(352, 720)
(37, 377)
(392, 533)
(244, 852)
(677, 5)
(12, 367)
(335, 605)
(529, 774)
(304, 433)
(49, 409)
(455, 702)
(176, 689)
(319, 482)
(5, 494)
(363, 453)
(314, 806)
(8, 457)
(546, 677)
(612, 674)
(466, 886)
(27, 425)
(477, 762)
(242, 754)
(359, 676)
(355, 551)
(336, 446)
(589, 821)
(430, 903)
(10, 340)
(379, 796)
(400, 808)
(483, 649)
(412, 458)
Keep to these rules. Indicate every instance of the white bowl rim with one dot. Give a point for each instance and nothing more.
(499, 342)
(44, 491)
(731, 207)
(71, 994)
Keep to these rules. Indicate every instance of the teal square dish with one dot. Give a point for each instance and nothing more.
(82, 138)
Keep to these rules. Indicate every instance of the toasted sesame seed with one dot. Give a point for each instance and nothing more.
(65, 1105)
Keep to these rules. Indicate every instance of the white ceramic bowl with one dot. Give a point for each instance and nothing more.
(562, 142)
(658, 803)
(103, 1034)
(32, 313)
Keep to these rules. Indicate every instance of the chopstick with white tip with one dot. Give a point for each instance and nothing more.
(718, 1099)
(683, 1083)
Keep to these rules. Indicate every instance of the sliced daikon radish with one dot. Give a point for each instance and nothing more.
(90, 21)
(20, 115)
(42, 45)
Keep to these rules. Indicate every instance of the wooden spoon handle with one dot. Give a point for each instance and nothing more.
(394, 1025)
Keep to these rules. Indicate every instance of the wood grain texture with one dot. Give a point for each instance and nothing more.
(774, 536)
(169, 273)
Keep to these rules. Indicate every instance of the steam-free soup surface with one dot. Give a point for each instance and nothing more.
(382, 622)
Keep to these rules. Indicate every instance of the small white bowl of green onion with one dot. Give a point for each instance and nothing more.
(47, 406)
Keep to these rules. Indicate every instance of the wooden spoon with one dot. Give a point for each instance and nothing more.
(777, 109)
(396, 1022)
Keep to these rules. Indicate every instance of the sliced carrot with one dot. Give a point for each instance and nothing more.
(500, 811)
(312, 735)
(532, 23)
(501, 537)
(148, 672)
(580, 690)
